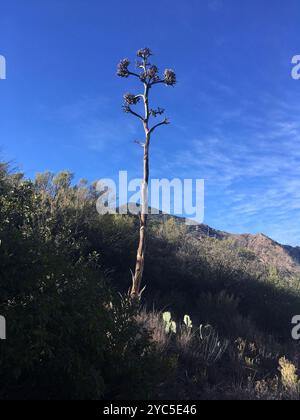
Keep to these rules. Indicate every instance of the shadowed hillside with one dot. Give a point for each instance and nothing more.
(285, 259)
(73, 336)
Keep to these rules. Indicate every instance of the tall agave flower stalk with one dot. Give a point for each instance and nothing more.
(148, 75)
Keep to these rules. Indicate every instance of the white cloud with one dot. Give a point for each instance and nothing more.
(253, 172)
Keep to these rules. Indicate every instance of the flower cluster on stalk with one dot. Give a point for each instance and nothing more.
(170, 77)
(156, 112)
(148, 74)
(123, 68)
(131, 99)
(152, 73)
(144, 53)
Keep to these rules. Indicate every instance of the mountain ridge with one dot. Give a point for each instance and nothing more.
(285, 258)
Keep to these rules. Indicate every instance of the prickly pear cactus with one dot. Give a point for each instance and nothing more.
(188, 322)
(170, 326)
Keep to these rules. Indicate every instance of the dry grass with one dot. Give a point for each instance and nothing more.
(152, 321)
(202, 344)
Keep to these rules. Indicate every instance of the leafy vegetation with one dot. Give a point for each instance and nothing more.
(72, 336)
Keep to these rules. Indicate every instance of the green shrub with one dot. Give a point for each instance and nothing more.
(70, 336)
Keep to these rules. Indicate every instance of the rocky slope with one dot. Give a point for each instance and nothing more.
(286, 259)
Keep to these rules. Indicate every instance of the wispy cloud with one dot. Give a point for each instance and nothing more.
(253, 173)
(94, 127)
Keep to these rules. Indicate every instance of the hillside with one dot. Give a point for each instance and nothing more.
(286, 259)
(74, 334)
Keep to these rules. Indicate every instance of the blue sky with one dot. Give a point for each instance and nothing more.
(235, 110)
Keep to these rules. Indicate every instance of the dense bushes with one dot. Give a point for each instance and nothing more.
(71, 335)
